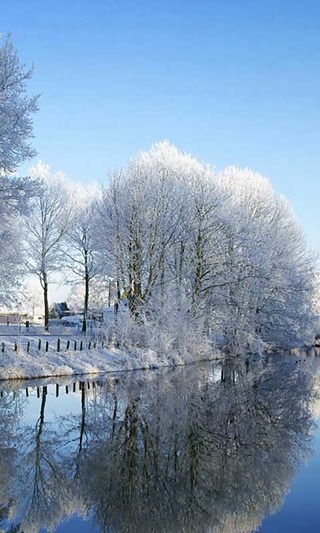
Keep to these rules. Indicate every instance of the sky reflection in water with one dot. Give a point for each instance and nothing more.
(203, 448)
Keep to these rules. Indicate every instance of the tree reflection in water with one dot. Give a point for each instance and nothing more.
(201, 448)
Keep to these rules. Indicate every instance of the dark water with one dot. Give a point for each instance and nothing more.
(229, 448)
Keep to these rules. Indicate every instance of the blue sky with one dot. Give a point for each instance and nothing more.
(232, 82)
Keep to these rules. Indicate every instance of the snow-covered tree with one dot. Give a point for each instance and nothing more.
(15, 197)
(141, 218)
(225, 250)
(80, 252)
(269, 268)
(47, 227)
(11, 259)
(16, 110)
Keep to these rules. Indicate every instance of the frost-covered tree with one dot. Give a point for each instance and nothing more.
(16, 110)
(10, 258)
(221, 253)
(80, 251)
(47, 227)
(15, 198)
(269, 268)
(142, 218)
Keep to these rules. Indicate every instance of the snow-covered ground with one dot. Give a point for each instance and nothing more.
(30, 362)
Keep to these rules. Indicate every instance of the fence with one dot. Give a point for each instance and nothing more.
(43, 345)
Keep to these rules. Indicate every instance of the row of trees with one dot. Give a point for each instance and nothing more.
(222, 253)
(199, 256)
(221, 256)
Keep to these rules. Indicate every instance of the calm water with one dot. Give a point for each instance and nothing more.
(229, 448)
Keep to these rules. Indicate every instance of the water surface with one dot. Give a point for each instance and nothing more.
(225, 448)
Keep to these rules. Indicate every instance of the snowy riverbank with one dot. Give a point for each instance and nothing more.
(24, 365)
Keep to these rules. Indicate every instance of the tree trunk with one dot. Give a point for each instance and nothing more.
(109, 294)
(86, 294)
(118, 290)
(198, 272)
(45, 299)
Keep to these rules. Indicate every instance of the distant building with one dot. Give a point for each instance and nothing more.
(12, 318)
(61, 309)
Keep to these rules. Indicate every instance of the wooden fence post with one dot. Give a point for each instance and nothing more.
(15, 346)
(68, 345)
(81, 345)
(89, 345)
(28, 346)
(58, 345)
(47, 346)
(75, 345)
(2, 349)
(39, 345)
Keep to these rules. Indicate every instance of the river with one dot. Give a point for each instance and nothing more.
(230, 447)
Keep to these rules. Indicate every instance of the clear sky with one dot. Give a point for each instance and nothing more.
(230, 81)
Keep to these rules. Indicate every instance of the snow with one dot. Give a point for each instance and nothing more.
(36, 363)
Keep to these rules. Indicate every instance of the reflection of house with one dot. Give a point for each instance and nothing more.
(61, 309)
